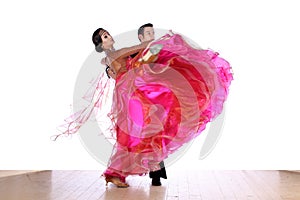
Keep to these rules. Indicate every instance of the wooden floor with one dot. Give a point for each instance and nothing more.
(217, 185)
(4, 173)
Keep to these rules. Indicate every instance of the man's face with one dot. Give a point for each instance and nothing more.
(149, 34)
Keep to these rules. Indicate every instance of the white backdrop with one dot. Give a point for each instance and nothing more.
(44, 43)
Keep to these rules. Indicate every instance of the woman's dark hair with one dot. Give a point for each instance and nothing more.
(97, 40)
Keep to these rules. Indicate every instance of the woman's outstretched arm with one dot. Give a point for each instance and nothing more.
(127, 51)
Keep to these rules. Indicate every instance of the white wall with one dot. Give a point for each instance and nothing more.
(44, 43)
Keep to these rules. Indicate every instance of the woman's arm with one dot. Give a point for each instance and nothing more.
(127, 51)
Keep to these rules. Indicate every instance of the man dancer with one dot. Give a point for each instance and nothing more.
(146, 33)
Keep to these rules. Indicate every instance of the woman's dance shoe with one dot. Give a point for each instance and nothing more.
(151, 55)
(116, 181)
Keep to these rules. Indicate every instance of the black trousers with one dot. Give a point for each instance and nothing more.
(159, 173)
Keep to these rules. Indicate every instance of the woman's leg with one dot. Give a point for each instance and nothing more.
(114, 172)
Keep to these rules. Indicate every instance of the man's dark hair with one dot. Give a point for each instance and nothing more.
(141, 29)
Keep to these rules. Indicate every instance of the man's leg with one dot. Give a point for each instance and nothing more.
(156, 175)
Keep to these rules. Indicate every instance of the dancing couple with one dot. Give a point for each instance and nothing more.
(166, 91)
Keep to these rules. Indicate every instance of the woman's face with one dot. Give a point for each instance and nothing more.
(107, 40)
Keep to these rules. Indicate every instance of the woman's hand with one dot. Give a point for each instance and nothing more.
(111, 73)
